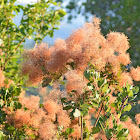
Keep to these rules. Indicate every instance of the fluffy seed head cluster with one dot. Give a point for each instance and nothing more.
(74, 82)
(70, 58)
(135, 73)
(124, 78)
(63, 119)
(31, 102)
(2, 80)
(47, 130)
(118, 41)
(42, 119)
(52, 109)
(84, 45)
(124, 58)
(77, 131)
(35, 64)
(134, 131)
(21, 118)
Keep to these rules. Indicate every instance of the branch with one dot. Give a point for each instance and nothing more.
(123, 102)
(82, 127)
(98, 115)
(12, 54)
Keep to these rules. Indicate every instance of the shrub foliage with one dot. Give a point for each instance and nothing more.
(89, 74)
(92, 87)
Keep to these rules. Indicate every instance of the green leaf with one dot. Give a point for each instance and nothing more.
(84, 109)
(69, 130)
(90, 86)
(124, 118)
(102, 126)
(96, 74)
(17, 105)
(22, 30)
(123, 133)
(87, 74)
(1, 41)
(119, 114)
(108, 133)
(6, 81)
(62, 12)
(32, 136)
(105, 88)
(1, 102)
(95, 103)
(12, 104)
(62, 82)
(113, 105)
(67, 107)
(130, 93)
(127, 108)
(17, 91)
(101, 82)
(11, 128)
(84, 106)
(135, 90)
(74, 91)
(63, 100)
(125, 101)
(113, 119)
(121, 138)
(95, 130)
(84, 112)
(2, 135)
(120, 127)
(41, 105)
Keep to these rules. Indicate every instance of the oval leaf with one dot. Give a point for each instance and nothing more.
(127, 108)
(95, 130)
(124, 118)
(105, 88)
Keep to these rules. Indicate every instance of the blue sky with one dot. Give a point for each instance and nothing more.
(65, 29)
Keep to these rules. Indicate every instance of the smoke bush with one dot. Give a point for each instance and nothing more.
(98, 88)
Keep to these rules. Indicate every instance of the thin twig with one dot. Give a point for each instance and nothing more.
(98, 115)
(123, 102)
(82, 127)
(82, 120)
(12, 54)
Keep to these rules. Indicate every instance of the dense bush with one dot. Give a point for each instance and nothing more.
(92, 88)
(90, 76)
